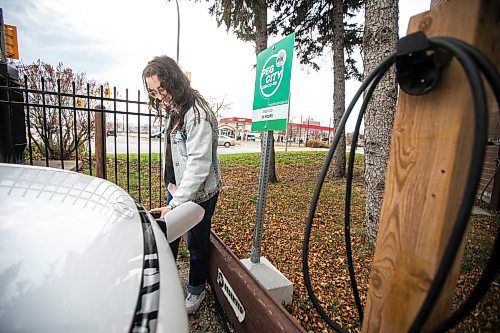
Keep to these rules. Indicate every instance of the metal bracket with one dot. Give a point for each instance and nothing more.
(418, 64)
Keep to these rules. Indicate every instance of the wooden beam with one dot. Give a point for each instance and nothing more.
(430, 152)
(247, 304)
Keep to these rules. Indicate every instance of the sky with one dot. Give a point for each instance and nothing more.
(112, 41)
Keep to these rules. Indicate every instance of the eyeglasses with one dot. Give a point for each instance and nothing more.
(158, 94)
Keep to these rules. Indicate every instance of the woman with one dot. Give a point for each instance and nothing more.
(191, 163)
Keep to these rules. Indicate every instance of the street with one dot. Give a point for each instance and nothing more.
(240, 147)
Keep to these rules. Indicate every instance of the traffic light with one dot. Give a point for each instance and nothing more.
(80, 102)
(11, 47)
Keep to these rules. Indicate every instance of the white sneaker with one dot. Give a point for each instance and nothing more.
(193, 302)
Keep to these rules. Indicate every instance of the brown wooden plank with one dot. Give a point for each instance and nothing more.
(262, 312)
(430, 149)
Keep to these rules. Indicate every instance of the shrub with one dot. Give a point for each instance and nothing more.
(317, 144)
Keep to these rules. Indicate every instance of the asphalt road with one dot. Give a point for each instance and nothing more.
(241, 146)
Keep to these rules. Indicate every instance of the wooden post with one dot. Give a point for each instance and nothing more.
(430, 149)
(100, 142)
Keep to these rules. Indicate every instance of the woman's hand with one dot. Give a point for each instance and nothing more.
(162, 210)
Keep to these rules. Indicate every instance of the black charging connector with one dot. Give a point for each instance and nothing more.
(419, 64)
(156, 215)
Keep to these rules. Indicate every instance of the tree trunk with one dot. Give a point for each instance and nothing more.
(339, 159)
(260, 16)
(379, 40)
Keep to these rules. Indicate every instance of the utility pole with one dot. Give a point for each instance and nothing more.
(178, 29)
(307, 131)
(300, 130)
(3, 56)
(329, 126)
(287, 122)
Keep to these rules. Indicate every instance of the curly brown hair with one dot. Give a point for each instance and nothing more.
(176, 83)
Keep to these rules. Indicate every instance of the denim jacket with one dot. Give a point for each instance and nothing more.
(195, 159)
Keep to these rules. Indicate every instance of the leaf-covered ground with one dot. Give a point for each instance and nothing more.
(287, 206)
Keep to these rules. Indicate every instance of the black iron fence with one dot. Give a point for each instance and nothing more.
(90, 129)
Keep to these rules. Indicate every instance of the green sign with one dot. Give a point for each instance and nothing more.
(272, 86)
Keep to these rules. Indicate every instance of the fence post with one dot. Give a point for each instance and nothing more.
(100, 141)
(426, 176)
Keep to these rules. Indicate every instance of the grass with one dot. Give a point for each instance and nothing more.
(286, 211)
(287, 207)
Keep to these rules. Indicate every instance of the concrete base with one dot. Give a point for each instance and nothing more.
(479, 211)
(280, 288)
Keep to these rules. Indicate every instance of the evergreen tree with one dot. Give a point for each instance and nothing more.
(318, 25)
(248, 20)
(379, 40)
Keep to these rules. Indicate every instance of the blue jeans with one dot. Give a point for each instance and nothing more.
(198, 244)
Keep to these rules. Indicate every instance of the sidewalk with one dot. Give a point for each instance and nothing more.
(278, 146)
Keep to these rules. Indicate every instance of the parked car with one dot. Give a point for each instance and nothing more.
(111, 132)
(158, 133)
(250, 137)
(79, 255)
(226, 141)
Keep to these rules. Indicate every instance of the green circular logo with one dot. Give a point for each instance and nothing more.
(272, 73)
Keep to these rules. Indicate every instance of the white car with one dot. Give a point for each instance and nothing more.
(77, 254)
(226, 141)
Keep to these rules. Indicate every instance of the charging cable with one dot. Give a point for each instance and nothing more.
(419, 62)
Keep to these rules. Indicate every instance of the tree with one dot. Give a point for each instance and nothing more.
(317, 24)
(338, 87)
(218, 106)
(53, 125)
(248, 20)
(379, 40)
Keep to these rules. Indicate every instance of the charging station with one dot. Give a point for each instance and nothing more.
(12, 118)
(435, 160)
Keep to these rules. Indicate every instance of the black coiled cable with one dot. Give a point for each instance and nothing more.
(472, 61)
(378, 72)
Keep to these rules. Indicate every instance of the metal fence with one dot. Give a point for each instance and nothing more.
(91, 130)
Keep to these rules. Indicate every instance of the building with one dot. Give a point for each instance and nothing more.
(235, 127)
(239, 128)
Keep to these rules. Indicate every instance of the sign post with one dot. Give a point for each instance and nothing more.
(270, 112)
